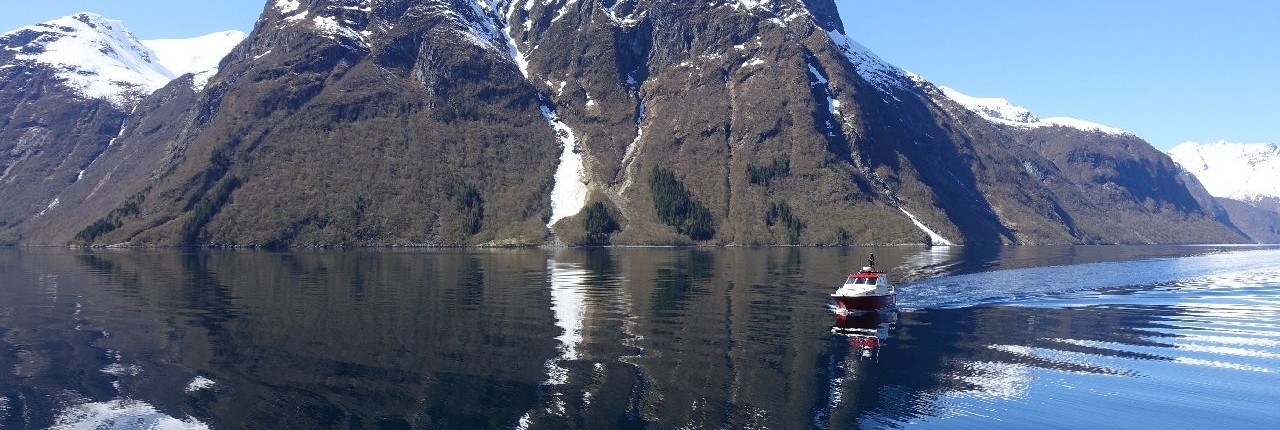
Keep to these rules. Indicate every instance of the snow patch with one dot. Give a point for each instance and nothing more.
(818, 77)
(569, 191)
(1001, 111)
(994, 109)
(287, 6)
(52, 204)
(611, 11)
(563, 10)
(869, 66)
(120, 414)
(495, 31)
(331, 28)
(936, 238)
(819, 80)
(201, 79)
(199, 383)
(628, 156)
(1081, 124)
(1240, 171)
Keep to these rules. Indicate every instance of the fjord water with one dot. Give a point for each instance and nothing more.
(1076, 337)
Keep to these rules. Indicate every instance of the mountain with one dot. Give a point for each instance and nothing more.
(97, 57)
(1000, 111)
(1102, 184)
(67, 87)
(1243, 172)
(489, 122)
(1242, 178)
(197, 55)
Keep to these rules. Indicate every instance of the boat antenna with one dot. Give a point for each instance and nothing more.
(871, 262)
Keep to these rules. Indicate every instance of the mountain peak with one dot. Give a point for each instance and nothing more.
(1001, 111)
(1238, 171)
(96, 56)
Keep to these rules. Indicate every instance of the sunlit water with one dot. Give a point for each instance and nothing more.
(1017, 337)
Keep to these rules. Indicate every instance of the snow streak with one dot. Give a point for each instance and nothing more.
(569, 192)
(936, 238)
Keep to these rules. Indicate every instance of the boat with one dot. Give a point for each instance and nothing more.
(867, 290)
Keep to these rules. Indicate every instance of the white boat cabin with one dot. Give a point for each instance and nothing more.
(866, 282)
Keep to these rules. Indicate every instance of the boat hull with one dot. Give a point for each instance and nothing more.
(863, 303)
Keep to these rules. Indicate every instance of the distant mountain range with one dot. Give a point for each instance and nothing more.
(1245, 172)
(1244, 177)
(492, 122)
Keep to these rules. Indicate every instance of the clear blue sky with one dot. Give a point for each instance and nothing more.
(1168, 71)
(148, 19)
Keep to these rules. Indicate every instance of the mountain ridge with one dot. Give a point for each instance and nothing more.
(574, 122)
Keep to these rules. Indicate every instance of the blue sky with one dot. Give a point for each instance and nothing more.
(1168, 71)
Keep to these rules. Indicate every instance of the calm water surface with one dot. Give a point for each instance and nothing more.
(1017, 337)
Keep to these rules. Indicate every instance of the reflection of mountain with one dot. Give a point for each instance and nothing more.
(321, 340)
(590, 338)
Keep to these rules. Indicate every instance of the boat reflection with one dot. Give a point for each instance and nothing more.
(866, 331)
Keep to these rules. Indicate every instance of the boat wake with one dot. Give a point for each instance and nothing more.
(1031, 285)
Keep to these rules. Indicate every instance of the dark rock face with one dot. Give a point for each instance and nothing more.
(311, 135)
(48, 134)
(1124, 190)
(442, 122)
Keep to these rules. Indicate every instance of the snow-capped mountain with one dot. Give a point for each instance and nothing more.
(101, 59)
(199, 55)
(1001, 111)
(96, 56)
(468, 122)
(1238, 171)
(68, 88)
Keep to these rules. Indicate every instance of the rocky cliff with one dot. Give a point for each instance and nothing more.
(486, 122)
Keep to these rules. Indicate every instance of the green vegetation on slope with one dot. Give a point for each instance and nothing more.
(677, 208)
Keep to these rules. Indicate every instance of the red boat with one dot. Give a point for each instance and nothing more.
(867, 290)
(866, 331)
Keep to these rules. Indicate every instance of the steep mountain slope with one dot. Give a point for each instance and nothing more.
(324, 140)
(66, 87)
(1106, 185)
(464, 122)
